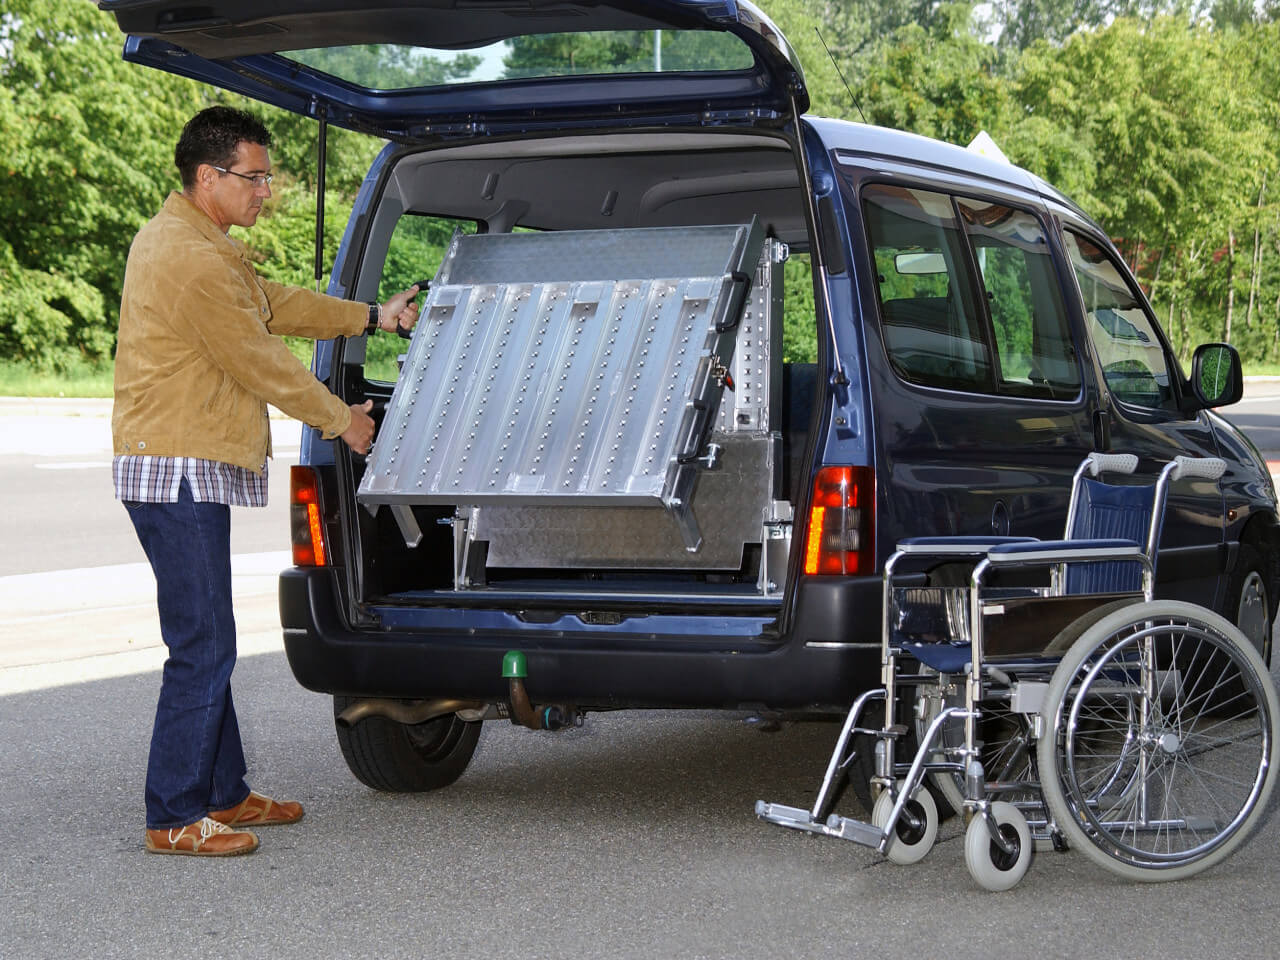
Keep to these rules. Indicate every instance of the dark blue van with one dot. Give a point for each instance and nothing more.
(690, 365)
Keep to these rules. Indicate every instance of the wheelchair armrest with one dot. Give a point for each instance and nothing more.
(1065, 551)
(957, 546)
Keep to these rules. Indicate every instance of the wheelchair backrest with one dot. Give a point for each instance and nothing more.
(1107, 511)
(1135, 512)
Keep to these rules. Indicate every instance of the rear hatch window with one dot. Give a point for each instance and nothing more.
(389, 67)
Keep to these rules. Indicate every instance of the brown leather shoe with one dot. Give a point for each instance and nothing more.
(258, 811)
(204, 838)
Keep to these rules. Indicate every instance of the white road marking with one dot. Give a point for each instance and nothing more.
(147, 659)
(93, 623)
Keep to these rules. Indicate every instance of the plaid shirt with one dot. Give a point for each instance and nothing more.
(156, 480)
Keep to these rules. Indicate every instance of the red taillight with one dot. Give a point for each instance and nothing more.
(839, 540)
(305, 522)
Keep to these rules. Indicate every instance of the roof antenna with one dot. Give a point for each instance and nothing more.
(840, 73)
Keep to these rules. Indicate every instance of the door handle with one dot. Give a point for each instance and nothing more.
(1102, 430)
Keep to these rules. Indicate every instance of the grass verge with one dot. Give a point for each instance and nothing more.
(80, 379)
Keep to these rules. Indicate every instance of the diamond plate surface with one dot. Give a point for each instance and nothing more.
(552, 368)
(753, 402)
(731, 503)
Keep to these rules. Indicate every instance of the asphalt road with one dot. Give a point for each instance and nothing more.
(55, 469)
(632, 836)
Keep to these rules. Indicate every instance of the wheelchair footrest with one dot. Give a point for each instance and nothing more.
(843, 828)
(795, 817)
(846, 828)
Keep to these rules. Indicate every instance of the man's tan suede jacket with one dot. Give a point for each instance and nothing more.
(199, 354)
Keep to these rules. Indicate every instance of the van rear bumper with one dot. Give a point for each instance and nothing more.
(804, 670)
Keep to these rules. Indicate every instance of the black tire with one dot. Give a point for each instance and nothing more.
(406, 758)
(1250, 605)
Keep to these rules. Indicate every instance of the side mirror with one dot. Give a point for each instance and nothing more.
(1216, 377)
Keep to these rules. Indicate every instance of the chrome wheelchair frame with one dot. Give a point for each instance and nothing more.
(1143, 729)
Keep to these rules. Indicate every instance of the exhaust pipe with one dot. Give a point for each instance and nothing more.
(408, 712)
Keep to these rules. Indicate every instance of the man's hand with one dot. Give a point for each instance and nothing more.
(359, 436)
(400, 312)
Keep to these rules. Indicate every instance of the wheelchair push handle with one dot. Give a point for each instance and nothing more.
(1204, 468)
(1111, 463)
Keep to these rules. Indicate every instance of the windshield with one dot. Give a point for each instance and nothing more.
(396, 67)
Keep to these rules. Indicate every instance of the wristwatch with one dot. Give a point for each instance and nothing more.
(375, 318)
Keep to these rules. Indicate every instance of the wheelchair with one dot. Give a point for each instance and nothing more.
(1039, 689)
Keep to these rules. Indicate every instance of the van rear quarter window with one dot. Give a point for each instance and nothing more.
(929, 311)
(1001, 331)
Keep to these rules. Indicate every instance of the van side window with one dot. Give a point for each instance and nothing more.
(1124, 336)
(1034, 352)
(933, 328)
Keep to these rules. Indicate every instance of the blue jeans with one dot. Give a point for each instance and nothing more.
(196, 762)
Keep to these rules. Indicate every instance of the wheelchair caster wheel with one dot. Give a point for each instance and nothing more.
(991, 867)
(916, 829)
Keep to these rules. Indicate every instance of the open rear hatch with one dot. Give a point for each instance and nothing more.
(416, 70)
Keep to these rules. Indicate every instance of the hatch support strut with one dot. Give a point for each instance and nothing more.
(816, 260)
(322, 152)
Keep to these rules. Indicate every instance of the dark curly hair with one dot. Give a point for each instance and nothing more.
(211, 137)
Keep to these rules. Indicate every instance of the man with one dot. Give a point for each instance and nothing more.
(199, 356)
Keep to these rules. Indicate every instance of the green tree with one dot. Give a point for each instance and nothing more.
(941, 81)
(1173, 146)
(1251, 290)
(1017, 24)
(87, 157)
(88, 145)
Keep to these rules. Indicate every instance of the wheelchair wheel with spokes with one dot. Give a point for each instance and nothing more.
(1008, 751)
(1146, 766)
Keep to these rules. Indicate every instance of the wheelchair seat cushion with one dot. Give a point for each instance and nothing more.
(943, 657)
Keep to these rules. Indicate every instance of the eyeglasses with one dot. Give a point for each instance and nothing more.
(257, 179)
